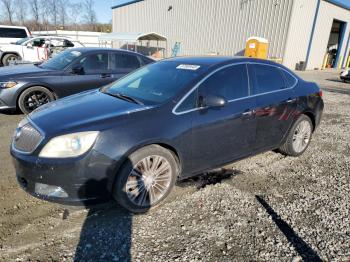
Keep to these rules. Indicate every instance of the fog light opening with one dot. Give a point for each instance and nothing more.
(50, 191)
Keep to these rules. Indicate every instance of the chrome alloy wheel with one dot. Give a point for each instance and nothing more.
(149, 181)
(302, 136)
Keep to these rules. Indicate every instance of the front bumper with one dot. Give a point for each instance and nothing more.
(8, 96)
(86, 180)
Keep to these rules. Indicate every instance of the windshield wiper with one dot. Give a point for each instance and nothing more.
(126, 98)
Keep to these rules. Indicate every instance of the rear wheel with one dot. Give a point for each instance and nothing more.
(146, 179)
(34, 97)
(10, 58)
(299, 137)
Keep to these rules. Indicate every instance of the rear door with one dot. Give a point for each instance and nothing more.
(121, 64)
(220, 135)
(276, 104)
(94, 74)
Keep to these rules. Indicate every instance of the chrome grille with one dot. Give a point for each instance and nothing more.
(26, 138)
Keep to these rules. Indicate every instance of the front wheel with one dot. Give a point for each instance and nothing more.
(146, 178)
(10, 58)
(34, 97)
(299, 137)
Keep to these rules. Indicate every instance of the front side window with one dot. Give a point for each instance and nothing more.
(230, 83)
(94, 62)
(267, 79)
(37, 42)
(156, 83)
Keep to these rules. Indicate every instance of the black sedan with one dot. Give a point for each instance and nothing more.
(169, 120)
(29, 86)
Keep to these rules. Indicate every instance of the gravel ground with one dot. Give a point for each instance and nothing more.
(265, 208)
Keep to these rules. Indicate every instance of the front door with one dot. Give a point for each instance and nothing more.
(220, 135)
(276, 104)
(94, 74)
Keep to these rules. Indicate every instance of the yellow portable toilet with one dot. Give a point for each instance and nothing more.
(257, 47)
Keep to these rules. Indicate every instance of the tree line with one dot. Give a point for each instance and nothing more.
(40, 15)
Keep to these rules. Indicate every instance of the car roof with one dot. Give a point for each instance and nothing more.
(211, 61)
(12, 26)
(94, 49)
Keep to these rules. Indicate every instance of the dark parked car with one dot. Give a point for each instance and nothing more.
(170, 120)
(345, 75)
(29, 86)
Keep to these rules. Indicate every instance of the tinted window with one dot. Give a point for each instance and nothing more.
(12, 33)
(146, 60)
(189, 103)
(94, 62)
(157, 82)
(124, 61)
(267, 79)
(290, 80)
(230, 83)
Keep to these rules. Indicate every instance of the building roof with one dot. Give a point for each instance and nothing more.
(132, 37)
(121, 3)
(342, 3)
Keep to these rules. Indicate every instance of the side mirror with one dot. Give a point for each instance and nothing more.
(30, 45)
(211, 101)
(78, 70)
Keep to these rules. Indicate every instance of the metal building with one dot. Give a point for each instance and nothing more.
(302, 33)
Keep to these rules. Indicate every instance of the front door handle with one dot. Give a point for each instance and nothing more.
(291, 100)
(105, 75)
(248, 113)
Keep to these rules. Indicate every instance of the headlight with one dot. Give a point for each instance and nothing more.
(71, 145)
(8, 84)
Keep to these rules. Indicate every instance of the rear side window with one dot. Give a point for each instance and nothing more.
(124, 62)
(267, 79)
(146, 60)
(12, 33)
(290, 80)
(230, 83)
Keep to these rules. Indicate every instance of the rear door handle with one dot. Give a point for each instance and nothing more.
(105, 75)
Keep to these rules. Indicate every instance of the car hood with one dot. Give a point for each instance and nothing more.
(90, 109)
(20, 71)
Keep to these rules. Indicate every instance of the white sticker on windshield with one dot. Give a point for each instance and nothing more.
(189, 67)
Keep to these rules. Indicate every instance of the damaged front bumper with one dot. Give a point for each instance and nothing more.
(84, 181)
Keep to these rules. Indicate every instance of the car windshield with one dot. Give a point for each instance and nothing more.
(155, 83)
(21, 41)
(62, 60)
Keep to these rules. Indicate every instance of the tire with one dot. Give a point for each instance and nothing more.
(34, 97)
(134, 175)
(303, 127)
(7, 59)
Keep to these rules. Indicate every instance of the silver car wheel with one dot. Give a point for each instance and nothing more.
(148, 181)
(302, 136)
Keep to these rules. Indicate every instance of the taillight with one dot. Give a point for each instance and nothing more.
(320, 93)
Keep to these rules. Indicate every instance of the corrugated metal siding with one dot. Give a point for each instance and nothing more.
(301, 22)
(327, 13)
(209, 26)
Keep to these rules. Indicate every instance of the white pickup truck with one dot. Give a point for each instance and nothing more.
(35, 49)
(9, 34)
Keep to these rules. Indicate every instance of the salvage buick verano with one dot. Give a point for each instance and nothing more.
(170, 120)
